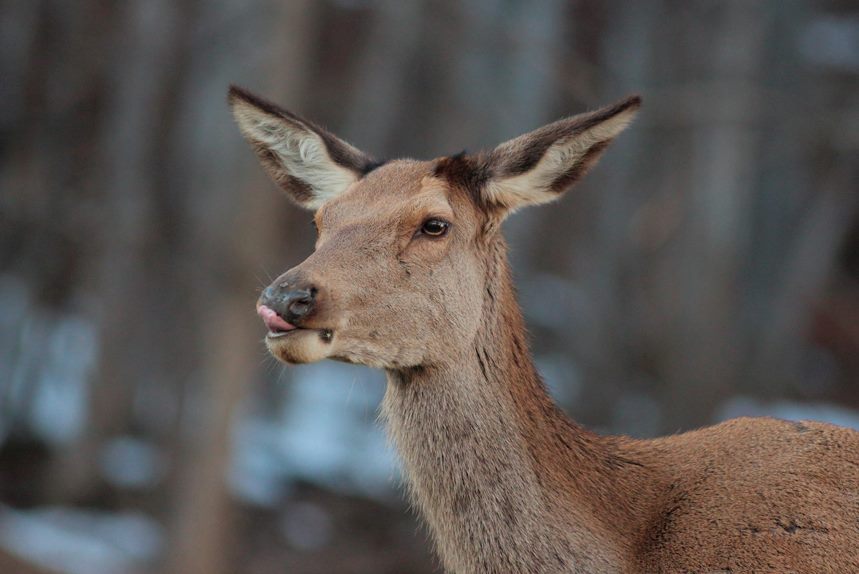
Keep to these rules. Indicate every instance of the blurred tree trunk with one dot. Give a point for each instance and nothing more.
(137, 236)
(143, 104)
(705, 341)
(381, 92)
(227, 249)
(608, 338)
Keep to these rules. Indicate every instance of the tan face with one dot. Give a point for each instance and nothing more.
(396, 270)
(398, 274)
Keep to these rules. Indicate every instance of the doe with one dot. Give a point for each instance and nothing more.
(410, 275)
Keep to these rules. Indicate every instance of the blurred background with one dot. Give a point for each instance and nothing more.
(708, 268)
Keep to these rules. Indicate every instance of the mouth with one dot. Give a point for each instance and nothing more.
(293, 344)
(277, 325)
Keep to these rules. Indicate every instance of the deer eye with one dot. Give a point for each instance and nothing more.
(435, 227)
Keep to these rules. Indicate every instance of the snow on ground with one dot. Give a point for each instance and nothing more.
(326, 433)
(45, 387)
(75, 541)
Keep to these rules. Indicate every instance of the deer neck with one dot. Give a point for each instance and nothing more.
(504, 480)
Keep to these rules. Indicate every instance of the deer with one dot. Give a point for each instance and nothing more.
(410, 275)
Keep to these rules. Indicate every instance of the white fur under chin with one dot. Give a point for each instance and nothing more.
(297, 348)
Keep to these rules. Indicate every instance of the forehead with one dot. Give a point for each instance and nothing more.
(396, 189)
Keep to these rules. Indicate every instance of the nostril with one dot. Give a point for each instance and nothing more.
(299, 308)
(300, 303)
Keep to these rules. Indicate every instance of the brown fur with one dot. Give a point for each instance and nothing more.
(505, 481)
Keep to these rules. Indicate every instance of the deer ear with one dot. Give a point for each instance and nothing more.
(537, 167)
(311, 164)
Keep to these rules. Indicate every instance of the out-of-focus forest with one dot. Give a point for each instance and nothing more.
(708, 268)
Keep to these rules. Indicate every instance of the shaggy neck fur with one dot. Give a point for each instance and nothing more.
(506, 482)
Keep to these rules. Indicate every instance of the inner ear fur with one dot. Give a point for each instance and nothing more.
(539, 166)
(311, 164)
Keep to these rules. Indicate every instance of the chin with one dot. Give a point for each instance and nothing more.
(299, 347)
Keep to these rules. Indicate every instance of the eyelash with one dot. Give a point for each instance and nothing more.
(421, 231)
(435, 221)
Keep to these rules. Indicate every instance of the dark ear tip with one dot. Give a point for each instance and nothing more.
(632, 102)
(237, 93)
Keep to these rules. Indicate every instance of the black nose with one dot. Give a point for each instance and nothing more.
(292, 302)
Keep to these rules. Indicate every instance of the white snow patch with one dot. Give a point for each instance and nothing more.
(74, 541)
(129, 462)
(326, 433)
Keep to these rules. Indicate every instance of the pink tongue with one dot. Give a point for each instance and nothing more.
(272, 320)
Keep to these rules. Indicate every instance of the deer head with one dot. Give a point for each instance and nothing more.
(398, 275)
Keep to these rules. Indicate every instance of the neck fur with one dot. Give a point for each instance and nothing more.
(506, 482)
